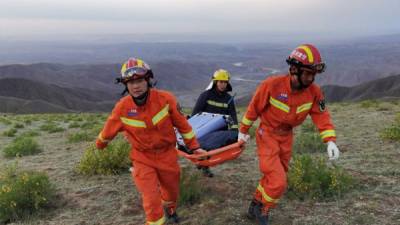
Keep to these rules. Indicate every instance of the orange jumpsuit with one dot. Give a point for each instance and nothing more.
(280, 109)
(150, 131)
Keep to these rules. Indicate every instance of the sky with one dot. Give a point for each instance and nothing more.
(223, 19)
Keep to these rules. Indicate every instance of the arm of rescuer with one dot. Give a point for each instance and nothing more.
(111, 128)
(200, 104)
(232, 113)
(179, 121)
(254, 110)
(321, 118)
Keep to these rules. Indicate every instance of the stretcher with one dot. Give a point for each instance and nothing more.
(205, 123)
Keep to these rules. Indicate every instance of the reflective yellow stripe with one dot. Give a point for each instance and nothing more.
(188, 135)
(234, 126)
(217, 104)
(133, 123)
(139, 63)
(100, 137)
(160, 115)
(280, 105)
(247, 122)
(265, 196)
(158, 222)
(308, 52)
(328, 133)
(304, 107)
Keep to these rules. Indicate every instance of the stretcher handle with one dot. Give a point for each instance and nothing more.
(239, 144)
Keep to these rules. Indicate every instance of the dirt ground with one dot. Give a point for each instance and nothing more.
(106, 200)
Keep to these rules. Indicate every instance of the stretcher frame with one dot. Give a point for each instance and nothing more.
(216, 156)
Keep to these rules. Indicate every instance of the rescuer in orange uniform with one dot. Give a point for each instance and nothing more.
(282, 103)
(148, 116)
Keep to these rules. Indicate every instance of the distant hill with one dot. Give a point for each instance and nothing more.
(388, 87)
(26, 96)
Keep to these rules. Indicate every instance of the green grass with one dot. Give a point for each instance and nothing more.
(191, 191)
(51, 127)
(5, 120)
(22, 146)
(112, 160)
(23, 193)
(80, 136)
(10, 132)
(391, 133)
(313, 179)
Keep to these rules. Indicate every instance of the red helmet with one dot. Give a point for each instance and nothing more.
(134, 69)
(307, 56)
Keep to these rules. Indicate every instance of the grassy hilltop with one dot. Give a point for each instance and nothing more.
(55, 144)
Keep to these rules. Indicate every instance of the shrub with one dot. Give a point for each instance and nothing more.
(313, 179)
(4, 120)
(369, 104)
(88, 125)
(308, 126)
(391, 133)
(51, 127)
(18, 125)
(10, 133)
(191, 190)
(23, 193)
(74, 125)
(28, 121)
(111, 160)
(80, 136)
(22, 146)
(308, 143)
(30, 133)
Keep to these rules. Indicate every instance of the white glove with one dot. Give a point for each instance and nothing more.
(333, 151)
(244, 137)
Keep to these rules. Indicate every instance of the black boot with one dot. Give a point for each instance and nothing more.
(256, 212)
(250, 212)
(207, 172)
(171, 216)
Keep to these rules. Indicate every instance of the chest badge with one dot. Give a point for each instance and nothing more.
(132, 112)
(283, 97)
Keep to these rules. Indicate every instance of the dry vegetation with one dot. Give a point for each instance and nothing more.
(368, 157)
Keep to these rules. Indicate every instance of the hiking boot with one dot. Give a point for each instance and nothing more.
(171, 216)
(256, 211)
(250, 212)
(207, 172)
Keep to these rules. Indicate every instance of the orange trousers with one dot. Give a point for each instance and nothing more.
(274, 152)
(156, 176)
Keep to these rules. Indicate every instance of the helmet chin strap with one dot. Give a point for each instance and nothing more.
(141, 100)
(299, 73)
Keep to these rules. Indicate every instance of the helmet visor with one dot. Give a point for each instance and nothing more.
(140, 71)
(319, 68)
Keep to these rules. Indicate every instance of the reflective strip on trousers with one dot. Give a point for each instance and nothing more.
(280, 105)
(265, 196)
(161, 221)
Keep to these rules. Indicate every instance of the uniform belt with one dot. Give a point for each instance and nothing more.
(281, 130)
(158, 149)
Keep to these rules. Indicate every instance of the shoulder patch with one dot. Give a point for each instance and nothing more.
(322, 106)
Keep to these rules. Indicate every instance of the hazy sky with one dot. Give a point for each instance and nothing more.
(23, 19)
